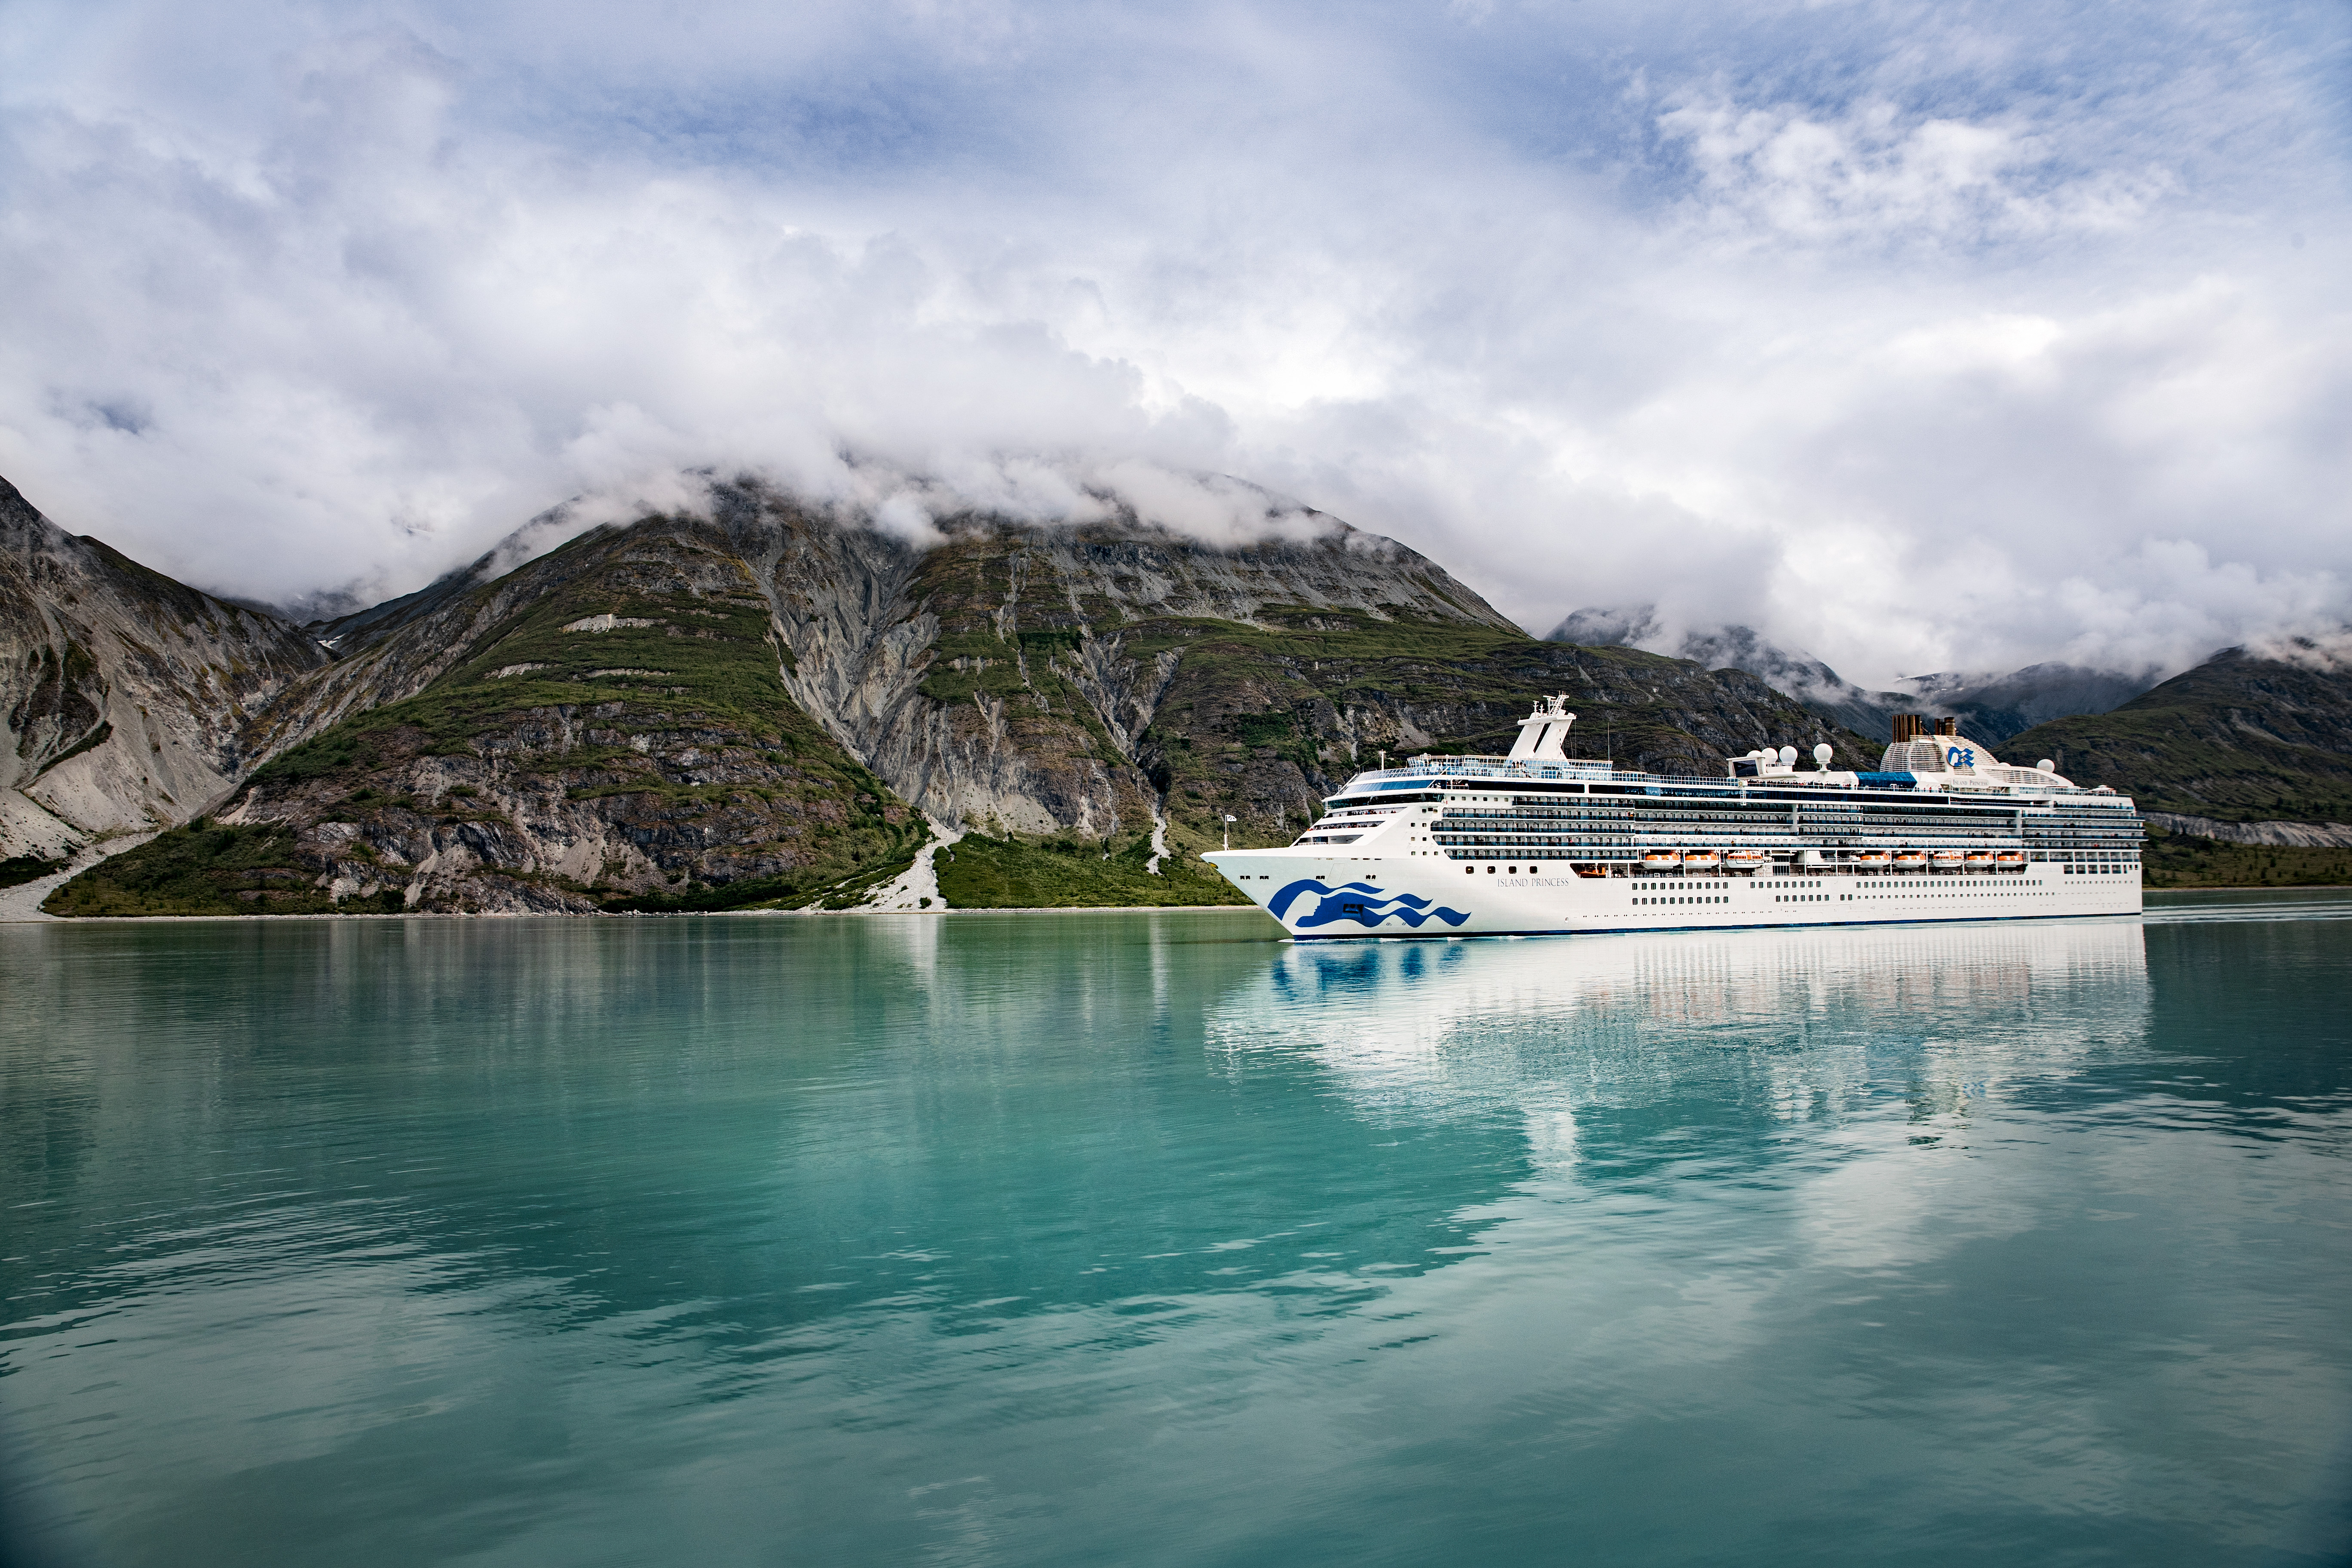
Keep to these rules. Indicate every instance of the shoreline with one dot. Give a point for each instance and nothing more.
(35, 918)
(38, 918)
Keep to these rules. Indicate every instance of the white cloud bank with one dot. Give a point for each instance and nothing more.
(1919, 341)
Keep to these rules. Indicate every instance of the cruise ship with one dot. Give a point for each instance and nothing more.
(1541, 843)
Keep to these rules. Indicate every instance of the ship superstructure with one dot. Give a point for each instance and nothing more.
(1541, 842)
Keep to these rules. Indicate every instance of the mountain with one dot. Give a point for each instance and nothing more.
(2243, 766)
(2246, 747)
(606, 725)
(759, 706)
(1996, 709)
(1991, 709)
(124, 695)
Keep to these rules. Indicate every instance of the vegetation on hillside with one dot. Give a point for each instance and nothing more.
(19, 869)
(203, 869)
(2181, 860)
(979, 872)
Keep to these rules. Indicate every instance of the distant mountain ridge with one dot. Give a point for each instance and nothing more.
(1991, 709)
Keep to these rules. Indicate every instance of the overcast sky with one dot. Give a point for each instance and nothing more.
(1921, 336)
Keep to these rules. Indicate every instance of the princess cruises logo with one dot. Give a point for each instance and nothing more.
(1357, 903)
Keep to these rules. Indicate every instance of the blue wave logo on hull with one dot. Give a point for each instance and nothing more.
(1360, 903)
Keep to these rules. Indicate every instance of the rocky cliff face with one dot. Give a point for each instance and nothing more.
(740, 707)
(606, 726)
(1010, 677)
(125, 695)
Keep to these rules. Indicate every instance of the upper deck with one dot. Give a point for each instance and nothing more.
(1917, 763)
(1505, 774)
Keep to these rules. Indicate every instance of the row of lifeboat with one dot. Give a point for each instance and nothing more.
(1862, 864)
(1702, 860)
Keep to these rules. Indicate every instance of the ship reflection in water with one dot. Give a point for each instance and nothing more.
(1791, 1024)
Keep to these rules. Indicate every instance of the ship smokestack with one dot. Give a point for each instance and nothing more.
(1909, 727)
(1947, 727)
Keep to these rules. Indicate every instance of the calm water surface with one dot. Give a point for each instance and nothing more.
(1152, 1238)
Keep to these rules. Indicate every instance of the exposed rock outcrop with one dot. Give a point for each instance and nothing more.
(604, 727)
(1010, 675)
(125, 696)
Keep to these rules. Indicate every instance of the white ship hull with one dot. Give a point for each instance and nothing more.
(1323, 897)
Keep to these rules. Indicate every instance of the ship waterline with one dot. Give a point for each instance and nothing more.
(1541, 843)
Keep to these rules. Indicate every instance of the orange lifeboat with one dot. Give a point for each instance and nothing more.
(1871, 860)
(2008, 860)
(1701, 859)
(1944, 860)
(1978, 860)
(1660, 860)
(1591, 870)
(1743, 860)
(1910, 859)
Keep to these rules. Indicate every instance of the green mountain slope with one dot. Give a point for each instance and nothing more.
(2191, 860)
(2239, 738)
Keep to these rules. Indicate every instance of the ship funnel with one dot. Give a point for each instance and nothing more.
(1543, 734)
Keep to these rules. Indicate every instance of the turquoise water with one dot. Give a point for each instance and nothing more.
(1150, 1239)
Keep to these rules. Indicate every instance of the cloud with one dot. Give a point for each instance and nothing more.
(1877, 173)
(2328, 652)
(1921, 340)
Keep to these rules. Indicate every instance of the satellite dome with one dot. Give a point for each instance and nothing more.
(1788, 756)
(1821, 753)
(2046, 766)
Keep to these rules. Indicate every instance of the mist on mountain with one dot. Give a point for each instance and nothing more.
(1993, 707)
